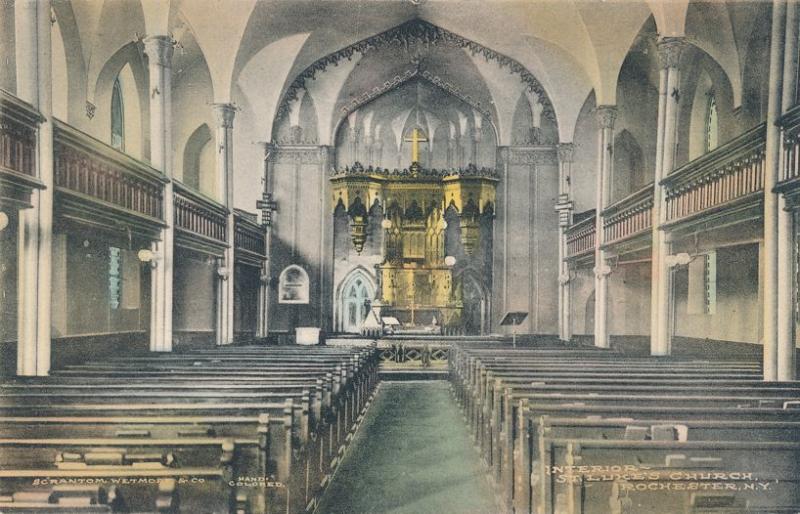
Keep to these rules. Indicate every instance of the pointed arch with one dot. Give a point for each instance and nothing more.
(357, 286)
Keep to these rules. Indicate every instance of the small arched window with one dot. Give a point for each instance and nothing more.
(293, 285)
(117, 117)
(712, 123)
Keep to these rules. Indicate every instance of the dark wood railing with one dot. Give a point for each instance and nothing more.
(199, 215)
(731, 173)
(631, 216)
(94, 171)
(790, 128)
(581, 237)
(18, 124)
(249, 236)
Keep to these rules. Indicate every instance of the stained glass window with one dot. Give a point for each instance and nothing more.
(117, 117)
(114, 277)
(712, 124)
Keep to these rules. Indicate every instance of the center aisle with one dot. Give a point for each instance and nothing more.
(412, 455)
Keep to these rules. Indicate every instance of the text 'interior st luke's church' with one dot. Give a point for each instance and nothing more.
(407, 256)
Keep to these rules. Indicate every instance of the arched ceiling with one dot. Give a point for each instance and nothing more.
(571, 47)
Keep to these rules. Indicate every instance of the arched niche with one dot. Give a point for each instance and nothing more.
(125, 68)
(199, 165)
(629, 173)
(293, 285)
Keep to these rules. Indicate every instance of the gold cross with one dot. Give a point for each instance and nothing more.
(415, 139)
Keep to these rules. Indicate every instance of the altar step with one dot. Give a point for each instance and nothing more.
(416, 374)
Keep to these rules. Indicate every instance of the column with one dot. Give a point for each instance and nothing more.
(326, 159)
(606, 115)
(771, 207)
(503, 158)
(34, 85)
(159, 55)
(564, 209)
(223, 115)
(786, 320)
(265, 276)
(661, 300)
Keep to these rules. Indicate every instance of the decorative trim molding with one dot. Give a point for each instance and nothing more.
(535, 156)
(405, 35)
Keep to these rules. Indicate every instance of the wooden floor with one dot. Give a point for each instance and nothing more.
(412, 455)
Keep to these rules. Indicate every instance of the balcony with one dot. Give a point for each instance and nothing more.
(726, 182)
(249, 239)
(19, 123)
(789, 177)
(629, 218)
(104, 188)
(200, 222)
(581, 238)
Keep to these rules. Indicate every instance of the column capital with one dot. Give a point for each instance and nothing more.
(565, 152)
(159, 50)
(606, 116)
(670, 50)
(224, 114)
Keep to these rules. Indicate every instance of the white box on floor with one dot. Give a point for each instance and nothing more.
(307, 335)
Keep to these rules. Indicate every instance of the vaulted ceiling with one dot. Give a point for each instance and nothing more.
(262, 48)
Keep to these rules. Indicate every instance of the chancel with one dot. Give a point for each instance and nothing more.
(407, 256)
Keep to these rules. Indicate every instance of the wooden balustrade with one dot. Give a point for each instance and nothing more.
(731, 173)
(790, 128)
(198, 215)
(581, 237)
(93, 172)
(19, 123)
(631, 216)
(249, 236)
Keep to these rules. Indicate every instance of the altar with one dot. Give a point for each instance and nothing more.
(420, 259)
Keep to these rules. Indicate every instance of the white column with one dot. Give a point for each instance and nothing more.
(606, 115)
(661, 300)
(326, 159)
(159, 55)
(34, 85)
(263, 290)
(786, 342)
(564, 208)
(223, 115)
(771, 207)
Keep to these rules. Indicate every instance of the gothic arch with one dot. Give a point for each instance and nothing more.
(342, 302)
(199, 167)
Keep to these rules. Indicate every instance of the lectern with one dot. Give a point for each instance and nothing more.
(513, 319)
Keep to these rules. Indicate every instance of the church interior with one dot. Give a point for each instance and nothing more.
(399, 256)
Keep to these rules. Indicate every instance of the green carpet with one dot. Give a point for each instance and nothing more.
(412, 455)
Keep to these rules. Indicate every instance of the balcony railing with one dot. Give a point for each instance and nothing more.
(19, 122)
(93, 173)
(249, 238)
(199, 217)
(631, 216)
(732, 173)
(581, 238)
(789, 179)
